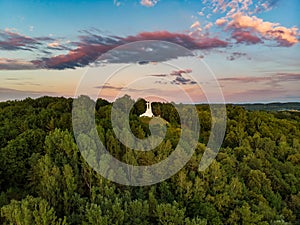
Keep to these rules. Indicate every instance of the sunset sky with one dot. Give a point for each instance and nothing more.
(251, 47)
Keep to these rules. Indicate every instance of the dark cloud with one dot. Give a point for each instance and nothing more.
(182, 81)
(148, 50)
(161, 82)
(143, 62)
(184, 40)
(91, 46)
(127, 89)
(57, 48)
(109, 87)
(13, 41)
(89, 37)
(44, 39)
(179, 80)
(237, 55)
(79, 57)
(245, 37)
(159, 75)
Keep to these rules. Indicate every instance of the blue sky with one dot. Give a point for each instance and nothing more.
(252, 47)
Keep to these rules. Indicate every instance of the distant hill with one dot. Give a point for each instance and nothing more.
(276, 106)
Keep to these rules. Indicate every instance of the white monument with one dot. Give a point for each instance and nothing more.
(148, 112)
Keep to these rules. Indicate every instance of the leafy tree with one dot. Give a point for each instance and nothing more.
(30, 211)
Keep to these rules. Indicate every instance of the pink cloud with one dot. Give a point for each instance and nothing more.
(10, 40)
(274, 80)
(245, 37)
(79, 57)
(268, 30)
(54, 44)
(89, 49)
(221, 21)
(239, 18)
(195, 24)
(185, 40)
(180, 72)
(91, 46)
(208, 26)
(149, 3)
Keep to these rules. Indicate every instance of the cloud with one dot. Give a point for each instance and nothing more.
(143, 62)
(208, 26)
(159, 75)
(195, 24)
(180, 72)
(117, 3)
(57, 45)
(267, 5)
(237, 55)
(221, 21)
(267, 30)
(10, 40)
(273, 80)
(201, 13)
(245, 79)
(54, 44)
(182, 39)
(91, 46)
(16, 64)
(179, 80)
(110, 88)
(281, 77)
(246, 28)
(149, 3)
(245, 37)
(79, 57)
(246, 6)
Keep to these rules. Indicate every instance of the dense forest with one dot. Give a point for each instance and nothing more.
(255, 178)
(275, 106)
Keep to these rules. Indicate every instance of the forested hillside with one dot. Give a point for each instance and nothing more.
(255, 178)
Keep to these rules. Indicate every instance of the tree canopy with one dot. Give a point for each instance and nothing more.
(255, 178)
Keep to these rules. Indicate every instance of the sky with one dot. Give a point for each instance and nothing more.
(189, 50)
